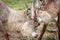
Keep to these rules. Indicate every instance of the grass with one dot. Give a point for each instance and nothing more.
(50, 38)
(18, 4)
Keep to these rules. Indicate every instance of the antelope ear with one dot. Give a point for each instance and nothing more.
(48, 1)
(26, 6)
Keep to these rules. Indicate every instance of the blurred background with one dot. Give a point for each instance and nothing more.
(18, 4)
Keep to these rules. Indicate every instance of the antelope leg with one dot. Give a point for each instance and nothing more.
(2, 29)
(43, 31)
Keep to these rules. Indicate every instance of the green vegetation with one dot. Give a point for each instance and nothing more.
(18, 4)
(50, 38)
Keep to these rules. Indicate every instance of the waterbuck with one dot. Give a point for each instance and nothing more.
(14, 21)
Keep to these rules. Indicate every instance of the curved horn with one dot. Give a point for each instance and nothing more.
(37, 4)
(33, 9)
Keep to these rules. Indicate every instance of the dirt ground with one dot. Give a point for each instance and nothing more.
(12, 36)
(17, 36)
